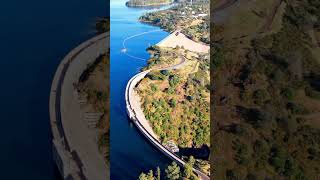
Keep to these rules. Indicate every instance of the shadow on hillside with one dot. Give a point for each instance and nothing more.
(199, 153)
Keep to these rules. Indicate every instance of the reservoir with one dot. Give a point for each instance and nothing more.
(34, 37)
(131, 153)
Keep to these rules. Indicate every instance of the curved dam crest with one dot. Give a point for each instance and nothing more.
(74, 149)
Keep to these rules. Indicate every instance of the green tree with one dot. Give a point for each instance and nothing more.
(187, 173)
(218, 58)
(172, 103)
(150, 175)
(173, 171)
(158, 173)
(143, 176)
(288, 93)
(174, 80)
(154, 88)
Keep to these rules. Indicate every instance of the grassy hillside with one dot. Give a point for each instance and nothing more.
(267, 106)
(193, 20)
(176, 102)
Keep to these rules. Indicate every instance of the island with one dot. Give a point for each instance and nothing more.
(147, 3)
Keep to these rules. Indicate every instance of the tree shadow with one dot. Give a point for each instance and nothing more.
(199, 153)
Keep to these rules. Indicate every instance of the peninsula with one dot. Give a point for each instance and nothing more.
(169, 99)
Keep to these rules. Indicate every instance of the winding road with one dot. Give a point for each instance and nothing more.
(136, 114)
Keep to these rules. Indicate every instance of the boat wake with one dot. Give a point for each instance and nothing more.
(124, 49)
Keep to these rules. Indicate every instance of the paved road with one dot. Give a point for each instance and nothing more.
(136, 114)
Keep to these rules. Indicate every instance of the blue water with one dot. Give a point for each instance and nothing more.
(130, 152)
(34, 36)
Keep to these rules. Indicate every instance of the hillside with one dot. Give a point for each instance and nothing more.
(266, 122)
(193, 20)
(176, 102)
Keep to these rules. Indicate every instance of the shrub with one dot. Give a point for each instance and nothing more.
(231, 175)
(173, 103)
(242, 154)
(173, 171)
(296, 108)
(260, 96)
(165, 72)
(259, 118)
(237, 129)
(174, 80)
(288, 123)
(170, 90)
(218, 58)
(154, 88)
(312, 93)
(288, 93)
(155, 76)
(189, 98)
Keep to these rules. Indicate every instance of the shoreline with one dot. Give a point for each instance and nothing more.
(136, 115)
(149, 5)
(134, 110)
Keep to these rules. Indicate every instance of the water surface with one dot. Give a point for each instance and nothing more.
(34, 37)
(131, 152)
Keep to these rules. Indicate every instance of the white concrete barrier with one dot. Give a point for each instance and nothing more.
(64, 109)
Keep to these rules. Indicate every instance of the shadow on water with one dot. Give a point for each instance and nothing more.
(202, 152)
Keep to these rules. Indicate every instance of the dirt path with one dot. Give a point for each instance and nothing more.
(271, 17)
(224, 4)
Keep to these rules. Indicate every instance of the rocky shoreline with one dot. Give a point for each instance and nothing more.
(139, 4)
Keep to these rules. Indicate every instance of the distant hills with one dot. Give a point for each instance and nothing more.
(142, 3)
